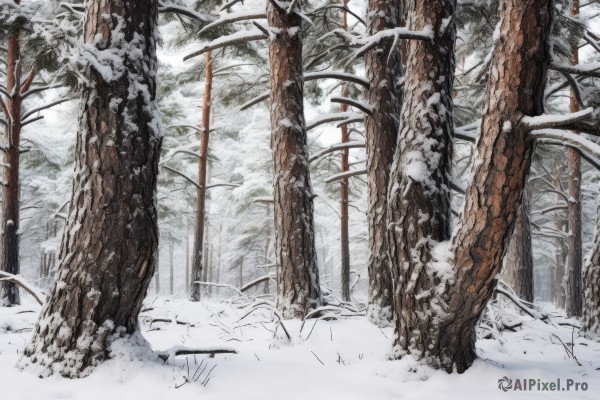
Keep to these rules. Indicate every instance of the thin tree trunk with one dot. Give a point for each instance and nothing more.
(242, 273)
(575, 249)
(295, 254)
(441, 294)
(9, 206)
(384, 71)
(517, 264)
(195, 289)
(187, 257)
(266, 253)
(590, 321)
(559, 283)
(157, 273)
(109, 246)
(344, 191)
(171, 270)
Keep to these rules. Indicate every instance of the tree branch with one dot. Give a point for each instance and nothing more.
(367, 109)
(231, 18)
(347, 174)
(229, 40)
(554, 121)
(5, 276)
(340, 146)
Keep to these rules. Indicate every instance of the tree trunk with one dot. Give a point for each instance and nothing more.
(295, 254)
(384, 71)
(266, 253)
(195, 289)
(503, 155)
(9, 205)
(442, 293)
(590, 321)
(187, 257)
(344, 191)
(575, 249)
(419, 187)
(559, 283)
(157, 273)
(109, 246)
(517, 265)
(171, 270)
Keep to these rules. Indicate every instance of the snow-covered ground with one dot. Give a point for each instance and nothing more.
(343, 359)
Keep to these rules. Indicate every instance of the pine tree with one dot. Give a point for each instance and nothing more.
(109, 246)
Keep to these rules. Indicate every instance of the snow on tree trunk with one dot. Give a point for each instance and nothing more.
(9, 184)
(517, 265)
(419, 188)
(503, 155)
(575, 249)
(384, 71)
(441, 293)
(295, 254)
(109, 246)
(590, 322)
(195, 289)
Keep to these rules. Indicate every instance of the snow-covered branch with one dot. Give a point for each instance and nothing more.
(186, 12)
(35, 110)
(17, 279)
(324, 119)
(554, 121)
(229, 40)
(590, 69)
(362, 106)
(341, 146)
(186, 351)
(347, 174)
(184, 176)
(255, 282)
(567, 138)
(231, 18)
(341, 76)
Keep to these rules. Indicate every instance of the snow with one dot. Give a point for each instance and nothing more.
(323, 360)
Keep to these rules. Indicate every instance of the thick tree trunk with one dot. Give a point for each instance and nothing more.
(442, 293)
(419, 187)
(384, 71)
(590, 321)
(295, 254)
(517, 265)
(109, 246)
(503, 155)
(575, 246)
(10, 185)
(195, 289)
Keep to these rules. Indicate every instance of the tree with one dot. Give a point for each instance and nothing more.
(109, 246)
(384, 71)
(575, 243)
(199, 231)
(590, 321)
(444, 286)
(297, 272)
(517, 265)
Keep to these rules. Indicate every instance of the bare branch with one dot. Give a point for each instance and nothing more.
(340, 146)
(347, 174)
(231, 18)
(367, 109)
(187, 178)
(29, 113)
(17, 279)
(229, 40)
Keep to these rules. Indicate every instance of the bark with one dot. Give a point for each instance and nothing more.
(590, 321)
(344, 191)
(187, 257)
(10, 185)
(503, 155)
(441, 294)
(297, 273)
(171, 270)
(559, 283)
(418, 192)
(195, 289)
(384, 71)
(575, 249)
(517, 265)
(109, 245)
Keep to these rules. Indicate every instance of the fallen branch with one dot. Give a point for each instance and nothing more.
(186, 351)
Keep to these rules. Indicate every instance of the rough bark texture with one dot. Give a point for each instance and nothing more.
(109, 246)
(419, 194)
(503, 156)
(575, 245)
(297, 272)
(384, 71)
(517, 265)
(9, 184)
(559, 282)
(590, 321)
(195, 289)
(344, 190)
